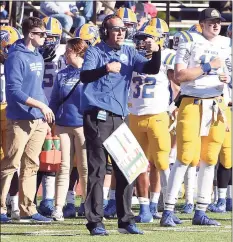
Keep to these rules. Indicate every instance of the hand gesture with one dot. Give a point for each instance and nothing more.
(216, 63)
(113, 67)
(151, 46)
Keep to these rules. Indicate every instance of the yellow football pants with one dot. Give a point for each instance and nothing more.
(151, 132)
(3, 130)
(190, 145)
(225, 153)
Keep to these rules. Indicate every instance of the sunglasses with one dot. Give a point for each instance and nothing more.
(41, 34)
(117, 28)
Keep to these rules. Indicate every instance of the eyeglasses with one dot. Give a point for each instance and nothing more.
(117, 28)
(41, 34)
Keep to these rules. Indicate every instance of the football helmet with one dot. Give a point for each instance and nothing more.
(53, 31)
(162, 27)
(8, 35)
(181, 37)
(229, 31)
(195, 28)
(130, 20)
(89, 33)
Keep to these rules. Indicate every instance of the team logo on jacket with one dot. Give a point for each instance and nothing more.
(124, 58)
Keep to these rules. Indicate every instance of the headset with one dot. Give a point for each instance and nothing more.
(104, 28)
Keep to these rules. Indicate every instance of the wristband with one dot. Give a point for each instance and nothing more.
(206, 68)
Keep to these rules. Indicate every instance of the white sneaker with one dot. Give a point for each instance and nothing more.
(57, 215)
(15, 215)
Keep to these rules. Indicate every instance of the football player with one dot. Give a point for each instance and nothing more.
(149, 121)
(201, 122)
(8, 35)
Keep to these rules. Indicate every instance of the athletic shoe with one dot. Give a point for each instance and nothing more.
(210, 206)
(188, 208)
(154, 210)
(81, 210)
(57, 215)
(46, 207)
(200, 218)
(145, 215)
(110, 210)
(69, 211)
(220, 207)
(4, 218)
(37, 217)
(167, 219)
(229, 204)
(15, 215)
(130, 229)
(99, 231)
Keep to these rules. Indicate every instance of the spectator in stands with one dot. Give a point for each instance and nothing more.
(65, 12)
(3, 12)
(87, 9)
(106, 11)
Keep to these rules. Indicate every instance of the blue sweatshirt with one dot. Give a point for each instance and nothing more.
(24, 71)
(67, 114)
(111, 91)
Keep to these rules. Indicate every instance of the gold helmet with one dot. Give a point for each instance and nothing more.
(195, 28)
(89, 33)
(162, 27)
(8, 35)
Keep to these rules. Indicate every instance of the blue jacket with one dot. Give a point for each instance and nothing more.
(68, 113)
(110, 92)
(24, 71)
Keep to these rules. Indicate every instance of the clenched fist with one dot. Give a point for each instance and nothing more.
(151, 46)
(113, 67)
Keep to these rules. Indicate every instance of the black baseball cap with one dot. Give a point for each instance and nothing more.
(210, 13)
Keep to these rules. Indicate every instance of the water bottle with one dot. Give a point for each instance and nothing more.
(48, 143)
(56, 142)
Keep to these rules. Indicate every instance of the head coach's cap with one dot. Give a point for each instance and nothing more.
(210, 13)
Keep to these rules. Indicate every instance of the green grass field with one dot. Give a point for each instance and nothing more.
(75, 230)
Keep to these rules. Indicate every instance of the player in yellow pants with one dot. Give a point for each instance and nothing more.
(201, 67)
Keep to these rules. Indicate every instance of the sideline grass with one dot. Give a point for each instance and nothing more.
(75, 230)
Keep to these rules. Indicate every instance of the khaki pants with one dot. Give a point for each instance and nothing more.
(24, 142)
(72, 143)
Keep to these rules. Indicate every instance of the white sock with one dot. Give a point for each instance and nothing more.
(172, 155)
(189, 184)
(143, 200)
(48, 183)
(70, 197)
(215, 188)
(164, 176)
(174, 183)
(229, 191)
(105, 191)
(222, 193)
(112, 194)
(154, 197)
(205, 182)
(14, 203)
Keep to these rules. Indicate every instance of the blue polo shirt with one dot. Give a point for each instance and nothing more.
(110, 92)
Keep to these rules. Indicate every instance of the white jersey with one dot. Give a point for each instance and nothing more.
(149, 94)
(198, 51)
(51, 70)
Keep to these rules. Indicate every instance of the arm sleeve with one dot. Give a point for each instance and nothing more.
(90, 72)
(52, 8)
(14, 79)
(54, 98)
(183, 54)
(142, 65)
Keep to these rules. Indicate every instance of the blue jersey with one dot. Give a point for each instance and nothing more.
(111, 91)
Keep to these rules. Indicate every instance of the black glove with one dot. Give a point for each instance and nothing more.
(49, 54)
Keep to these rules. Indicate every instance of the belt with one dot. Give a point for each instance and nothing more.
(111, 114)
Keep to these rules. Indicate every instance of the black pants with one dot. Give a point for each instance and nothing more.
(96, 132)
